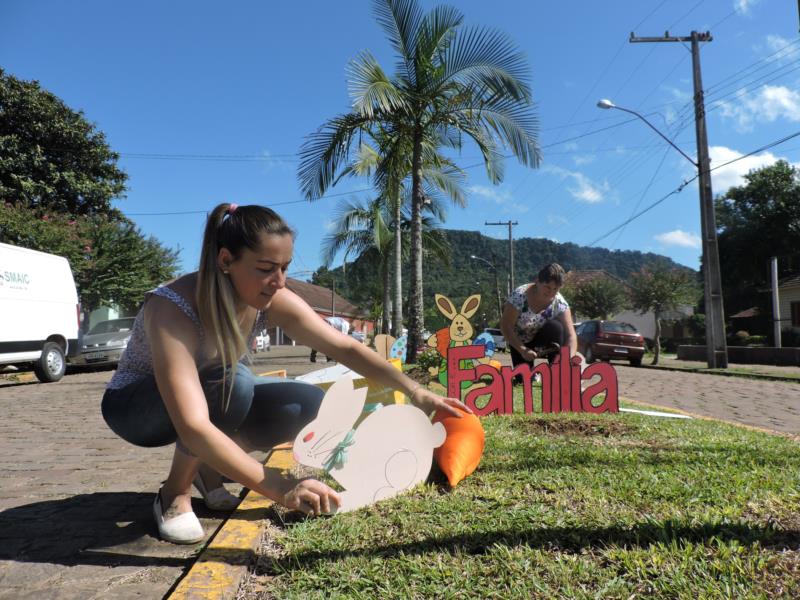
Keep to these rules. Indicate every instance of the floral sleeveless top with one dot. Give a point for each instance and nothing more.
(529, 322)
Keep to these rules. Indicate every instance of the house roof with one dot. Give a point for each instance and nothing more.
(319, 298)
(790, 281)
(577, 278)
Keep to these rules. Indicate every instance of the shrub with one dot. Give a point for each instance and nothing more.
(428, 358)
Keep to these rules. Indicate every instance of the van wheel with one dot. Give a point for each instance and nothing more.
(636, 362)
(51, 365)
(589, 356)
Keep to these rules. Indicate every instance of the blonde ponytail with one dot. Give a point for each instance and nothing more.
(235, 228)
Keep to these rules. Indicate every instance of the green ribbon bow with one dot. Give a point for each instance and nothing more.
(338, 455)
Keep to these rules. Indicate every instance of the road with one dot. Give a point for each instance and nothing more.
(76, 500)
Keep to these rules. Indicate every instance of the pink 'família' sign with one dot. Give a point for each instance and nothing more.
(561, 383)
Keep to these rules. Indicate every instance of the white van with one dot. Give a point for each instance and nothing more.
(39, 312)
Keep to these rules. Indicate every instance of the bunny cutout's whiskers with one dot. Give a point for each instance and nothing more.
(324, 438)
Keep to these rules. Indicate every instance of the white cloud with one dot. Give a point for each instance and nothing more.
(556, 219)
(743, 6)
(679, 238)
(770, 104)
(499, 196)
(781, 48)
(494, 194)
(583, 160)
(733, 174)
(571, 146)
(584, 189)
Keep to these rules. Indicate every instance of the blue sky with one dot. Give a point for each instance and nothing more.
(209, 102)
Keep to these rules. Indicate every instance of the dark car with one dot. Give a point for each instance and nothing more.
(610, 340)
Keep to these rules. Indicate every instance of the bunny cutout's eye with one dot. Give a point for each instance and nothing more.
(309, 436)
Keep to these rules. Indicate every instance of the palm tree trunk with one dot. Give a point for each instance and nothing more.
(415, 323)
(387, 297)
(397, 321)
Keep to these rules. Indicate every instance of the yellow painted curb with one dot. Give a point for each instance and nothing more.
(218, 571)
(707, 418)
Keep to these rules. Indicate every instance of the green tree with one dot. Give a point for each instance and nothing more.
(451, 82)
(756, 221)
(660, 290)
(112, 262)
(598, 298)
(51, 157)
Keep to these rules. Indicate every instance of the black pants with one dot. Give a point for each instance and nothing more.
(313, 357)
(552, 331)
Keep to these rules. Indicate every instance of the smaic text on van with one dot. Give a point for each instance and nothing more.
(39, 312)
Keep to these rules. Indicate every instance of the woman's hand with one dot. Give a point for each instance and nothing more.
(312, 497)
(427, 401)
(528, 355)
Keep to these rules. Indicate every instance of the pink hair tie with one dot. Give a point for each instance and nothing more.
(232, 208)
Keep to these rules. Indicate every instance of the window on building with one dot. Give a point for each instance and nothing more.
(795, 306)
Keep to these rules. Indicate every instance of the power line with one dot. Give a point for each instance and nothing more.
(688, 181)
(194, 212)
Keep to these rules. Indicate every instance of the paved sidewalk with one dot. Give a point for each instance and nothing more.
(76, 500)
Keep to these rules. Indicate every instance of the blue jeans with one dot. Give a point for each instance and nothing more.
(262, 412)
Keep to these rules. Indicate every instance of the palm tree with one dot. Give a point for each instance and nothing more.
(450, 81)
(441, 179)
(365, 230)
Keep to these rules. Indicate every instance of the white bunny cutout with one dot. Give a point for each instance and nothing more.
(390, 451)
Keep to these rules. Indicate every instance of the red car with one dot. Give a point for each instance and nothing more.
(610, 340)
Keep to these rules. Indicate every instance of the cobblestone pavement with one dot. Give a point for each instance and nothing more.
(76, 500)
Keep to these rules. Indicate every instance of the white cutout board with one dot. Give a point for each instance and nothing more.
(390, 451)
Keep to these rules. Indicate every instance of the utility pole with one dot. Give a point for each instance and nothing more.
(776, 304)
(716, 346)
(510, 224)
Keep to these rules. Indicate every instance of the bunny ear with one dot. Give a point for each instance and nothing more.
(470, 306)
(445, 306)
(342, 404)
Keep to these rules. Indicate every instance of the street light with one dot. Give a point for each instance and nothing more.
(606, 104)
(493, 267)
(716, 347)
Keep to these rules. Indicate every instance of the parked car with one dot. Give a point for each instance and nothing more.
(610, 340)
(499, 341)
(358, 335)
(105, 343)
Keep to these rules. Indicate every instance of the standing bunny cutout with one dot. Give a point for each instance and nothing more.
(458, 333)
(390, 451)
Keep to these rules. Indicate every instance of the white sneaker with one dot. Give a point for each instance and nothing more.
(183, 529)
(218, 498)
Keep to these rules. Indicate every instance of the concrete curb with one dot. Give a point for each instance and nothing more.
(650, 405)
(220, 567)
(764, 376)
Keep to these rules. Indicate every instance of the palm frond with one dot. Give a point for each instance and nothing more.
(470, 124)
(437, 31)
(479, 57)
(400, 20)
(371, 91)
(324, 151)
(448, 181)
(516, 125)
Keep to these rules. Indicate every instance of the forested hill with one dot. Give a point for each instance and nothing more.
(530, 254)
(465, 276)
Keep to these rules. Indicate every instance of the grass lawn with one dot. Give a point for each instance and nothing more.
(566, 506)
